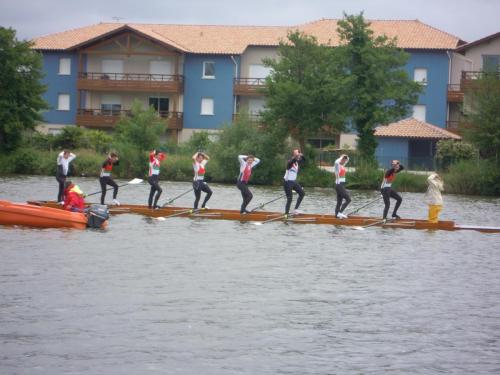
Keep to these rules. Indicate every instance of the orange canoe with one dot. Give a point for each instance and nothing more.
(12, 213)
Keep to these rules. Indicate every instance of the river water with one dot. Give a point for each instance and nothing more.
(197, 296)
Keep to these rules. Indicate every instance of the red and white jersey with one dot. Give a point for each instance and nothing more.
(199, 170)
(340, 171)
(154, 164)
(245, 168)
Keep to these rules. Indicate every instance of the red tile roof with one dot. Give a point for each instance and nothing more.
(413, 128)
(411, 34)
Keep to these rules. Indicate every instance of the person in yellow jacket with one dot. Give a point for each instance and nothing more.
(433, 196)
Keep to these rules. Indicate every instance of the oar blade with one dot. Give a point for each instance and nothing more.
(135, 181)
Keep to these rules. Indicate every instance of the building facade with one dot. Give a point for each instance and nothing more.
(203, 77)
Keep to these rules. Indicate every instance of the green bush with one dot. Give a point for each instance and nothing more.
(450, 152)
(366, 177)
(473, 177)
(411, 182)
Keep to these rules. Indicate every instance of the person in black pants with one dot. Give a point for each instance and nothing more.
(388, 192)
(200, 160)
(290, 181)
(246, 165)
(105, 177)
(63, 160)
(155, 159)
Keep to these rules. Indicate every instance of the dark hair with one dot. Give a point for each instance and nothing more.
(250, 157)
(113, 154)
(67, 184)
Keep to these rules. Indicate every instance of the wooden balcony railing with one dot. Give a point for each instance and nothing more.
(249, 86)
(171, 83)
(455, 93)
(107, 118)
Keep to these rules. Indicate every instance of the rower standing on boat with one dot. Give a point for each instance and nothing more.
(290, 181)
(105, 177)
(433, 196)
(342, 193)
(388, 192)
(246, 165)
(155, 159)
(63, 159)
(200, 159)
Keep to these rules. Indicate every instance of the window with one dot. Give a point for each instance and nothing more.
(208, 70)
(491, 63)
(420, 75)
(65, 66)
(259, 71)
(419, 112)
(112, 69)
(111, 105)
(160, 105)
(207, 106)
(63, 102)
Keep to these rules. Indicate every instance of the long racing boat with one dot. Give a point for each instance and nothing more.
(263, 217)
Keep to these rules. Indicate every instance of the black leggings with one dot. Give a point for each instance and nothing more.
(288, 187)
(107, 180)
(246, 194)
(60, 194)
(155, 187)
(198, 187)
(342, 194)
(387, 193)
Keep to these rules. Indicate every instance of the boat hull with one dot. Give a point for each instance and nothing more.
(262, 216)
(37, 216)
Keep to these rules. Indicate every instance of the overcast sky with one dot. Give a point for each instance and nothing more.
(468, 19)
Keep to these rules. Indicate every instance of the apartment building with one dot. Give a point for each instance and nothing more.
(201, 77)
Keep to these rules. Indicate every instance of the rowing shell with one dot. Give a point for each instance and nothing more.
(261, 216)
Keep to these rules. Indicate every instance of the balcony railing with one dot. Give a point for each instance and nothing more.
(455, 93)
(107, 118)
(171, 83)
(252, 117)
(249, 86)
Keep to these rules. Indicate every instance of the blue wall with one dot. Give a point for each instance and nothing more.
(220, 89)
(434, 96)
(391, 148)
(59, 84)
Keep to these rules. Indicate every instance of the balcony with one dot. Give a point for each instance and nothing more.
(107, 119)
(164, 83)
(249, 86)
(455, 94)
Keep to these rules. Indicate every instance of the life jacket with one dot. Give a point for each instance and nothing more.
(73, 199)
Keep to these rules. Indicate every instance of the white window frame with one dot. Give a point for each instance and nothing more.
(64, 66)
(420, 76)
(63, 102)
(205, 76)
(207, 107)
(420, 112)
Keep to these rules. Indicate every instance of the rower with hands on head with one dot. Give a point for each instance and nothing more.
(200, 159)
(247, 163)
(63, 159)
(155, 159)
(290, 181)
(105, 177)
(342, 193)
(388, 192)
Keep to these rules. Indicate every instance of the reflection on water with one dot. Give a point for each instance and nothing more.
(195, 296)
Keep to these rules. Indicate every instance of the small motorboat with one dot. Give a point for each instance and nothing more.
(12, 213)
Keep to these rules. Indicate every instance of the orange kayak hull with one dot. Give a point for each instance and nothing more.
(30, 215)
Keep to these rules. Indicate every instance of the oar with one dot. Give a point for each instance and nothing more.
(271, 201)
(190, 211)
(173, 199)
(135, 181)
(365, 205)
(281, 217)
(373, 224)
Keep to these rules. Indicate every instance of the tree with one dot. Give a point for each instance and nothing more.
(482, 108)
(20, 88)
(379, 90)
(303, 91)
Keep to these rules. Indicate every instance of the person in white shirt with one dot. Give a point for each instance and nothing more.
(63, 159)
(246, 165)
(342, 193)
(290, 181)
(200, 159)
